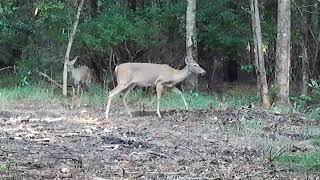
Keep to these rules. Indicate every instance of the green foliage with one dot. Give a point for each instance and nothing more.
(223, 26)
(54, 19)
(314, 114)
(26, 70)
(3, 168)
(316, 140)
(95, 97)
(112, 29)
(195, 101)
(315, 85)
(248, 68)
(307, 161)
(34, 93)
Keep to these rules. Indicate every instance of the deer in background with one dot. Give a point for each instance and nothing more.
(161, 76)
(81, 79)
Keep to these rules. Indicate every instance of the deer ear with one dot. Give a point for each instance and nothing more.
(187, 60)
(74, 60)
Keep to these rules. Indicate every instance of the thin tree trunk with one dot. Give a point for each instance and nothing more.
(259, 58)
(305, 59)
(191, 36)
(283, 53)
(315, 20)
(93, 8)
(67, 59)
(305, 70)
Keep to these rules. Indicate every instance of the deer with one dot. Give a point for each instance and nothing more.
(160, 76)
(81, 80)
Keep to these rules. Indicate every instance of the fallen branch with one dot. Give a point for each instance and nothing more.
(9, 67)
(158, 154)
(196, 152)
(50, 79)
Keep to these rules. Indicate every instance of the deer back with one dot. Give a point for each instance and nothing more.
(142, 74)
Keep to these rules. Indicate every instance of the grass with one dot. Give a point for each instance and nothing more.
(308, 161)
(251, 132)
(170, 100)
(12, 95)
(42, 93)
(314, 114)
(3, 168)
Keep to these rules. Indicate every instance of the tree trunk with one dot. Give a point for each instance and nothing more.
(305, 60)
(132, 4)
(315, 20)
(94, 8)
(305, 70)
(259, 58)
(67, 59)
(283, 53)
(191, 37)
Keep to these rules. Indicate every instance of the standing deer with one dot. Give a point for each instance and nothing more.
(161, 76)
(81, 79)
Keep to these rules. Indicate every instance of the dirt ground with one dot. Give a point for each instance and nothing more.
(54, 142)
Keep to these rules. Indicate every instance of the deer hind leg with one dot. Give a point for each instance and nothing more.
(176, 90)
(159, 88)
(78, 96)
(124, 99)
(73, 94)
(114, 92)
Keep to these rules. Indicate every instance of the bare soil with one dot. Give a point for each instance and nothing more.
(54, 142)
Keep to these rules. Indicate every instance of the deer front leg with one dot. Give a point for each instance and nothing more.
(176, 90)
(159, 88)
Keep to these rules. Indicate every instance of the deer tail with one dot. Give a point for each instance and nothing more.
(116, 70)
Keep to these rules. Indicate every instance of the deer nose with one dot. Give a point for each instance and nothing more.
(203, 72)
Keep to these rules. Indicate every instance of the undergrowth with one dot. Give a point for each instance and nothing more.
(276, 146)
(18, 94)
(41, 92)
(97, 96)
(309, 161)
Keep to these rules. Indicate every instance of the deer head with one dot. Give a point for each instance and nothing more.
(193, 66)
(71, 63)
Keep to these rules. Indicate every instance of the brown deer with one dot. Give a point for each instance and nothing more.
(81, 79)
(161, 76)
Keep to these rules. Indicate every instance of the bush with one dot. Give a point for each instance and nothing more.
(27, 69)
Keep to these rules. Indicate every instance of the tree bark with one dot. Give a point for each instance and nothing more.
(132, 4)
(315, 20)
(191, 37)
(93, 8)
(67, 59)
(262, 84)
(283, 54)
(305, 59)
(305, 70)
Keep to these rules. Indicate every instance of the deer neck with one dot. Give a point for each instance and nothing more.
(182, 74)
